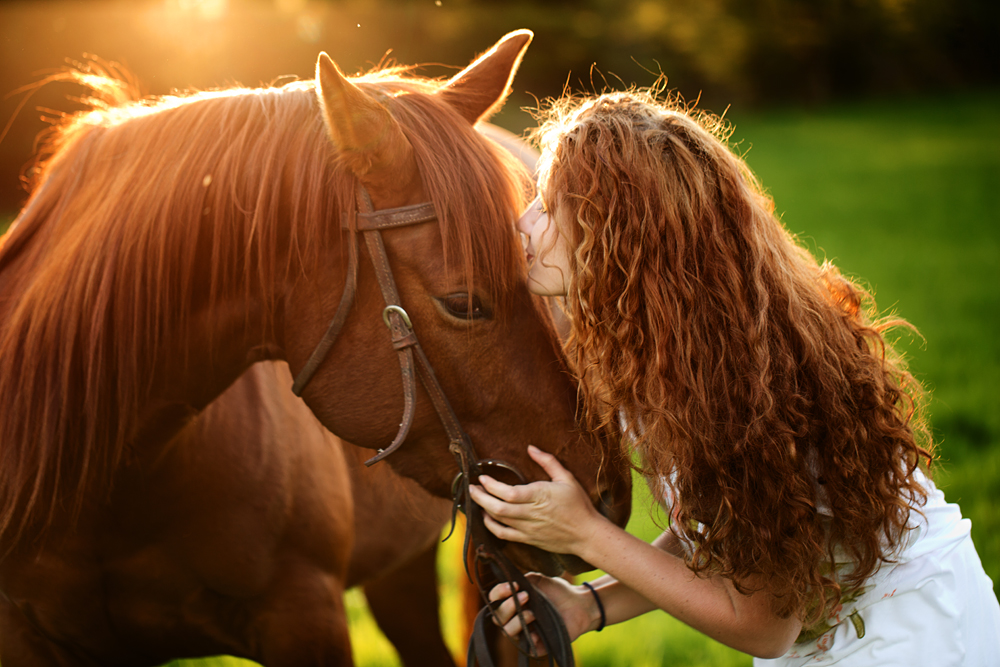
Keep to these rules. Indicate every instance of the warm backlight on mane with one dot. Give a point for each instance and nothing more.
(178, 262)
(203, 195)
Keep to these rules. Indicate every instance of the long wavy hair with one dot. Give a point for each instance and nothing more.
(755, 384)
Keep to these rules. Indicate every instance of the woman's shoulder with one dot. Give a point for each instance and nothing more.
(935, 524)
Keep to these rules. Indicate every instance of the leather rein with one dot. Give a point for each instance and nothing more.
(413, 361)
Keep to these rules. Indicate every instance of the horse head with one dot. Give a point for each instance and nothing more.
(461, 287)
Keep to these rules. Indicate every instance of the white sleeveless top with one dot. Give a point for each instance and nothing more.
(934, 606)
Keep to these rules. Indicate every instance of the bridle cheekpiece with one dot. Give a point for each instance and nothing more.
(486, 548)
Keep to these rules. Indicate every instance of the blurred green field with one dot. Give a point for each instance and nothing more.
(903, 194)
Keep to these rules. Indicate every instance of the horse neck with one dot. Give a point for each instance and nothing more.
(170, 359)
(128, 303)
(223, 340)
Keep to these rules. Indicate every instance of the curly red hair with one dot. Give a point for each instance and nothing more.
(752, 380)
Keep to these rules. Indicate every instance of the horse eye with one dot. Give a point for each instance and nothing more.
(465, 306)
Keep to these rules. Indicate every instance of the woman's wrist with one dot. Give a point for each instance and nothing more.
(597, 613)
(596, 534)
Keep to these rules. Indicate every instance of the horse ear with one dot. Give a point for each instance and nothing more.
(368, 139)
(478, 91)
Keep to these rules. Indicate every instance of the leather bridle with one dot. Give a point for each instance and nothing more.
(412, 360)
(370, 224)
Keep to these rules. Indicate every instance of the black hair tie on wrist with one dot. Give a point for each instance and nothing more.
(600, 605)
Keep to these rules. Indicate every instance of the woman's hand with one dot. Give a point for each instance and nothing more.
(556, 516)
(575, 604)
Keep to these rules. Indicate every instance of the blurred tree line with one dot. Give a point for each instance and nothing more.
(757, 52)
(743, 52)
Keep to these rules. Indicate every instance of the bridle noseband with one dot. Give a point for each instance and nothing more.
(412, 360)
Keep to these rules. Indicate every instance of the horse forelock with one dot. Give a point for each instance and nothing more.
(146, 208)
(478, 189)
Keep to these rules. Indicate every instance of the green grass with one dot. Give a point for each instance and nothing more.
(904, 195)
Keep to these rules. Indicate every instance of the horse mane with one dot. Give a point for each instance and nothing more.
(145, 209)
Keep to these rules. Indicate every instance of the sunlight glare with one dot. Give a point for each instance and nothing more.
(309, 28)
(209, 10)
(290, 6)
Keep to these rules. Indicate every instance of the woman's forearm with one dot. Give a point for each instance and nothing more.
(621, 603)
(558, 516)
(647, 576)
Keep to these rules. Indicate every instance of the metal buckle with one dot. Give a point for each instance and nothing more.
(399, 311)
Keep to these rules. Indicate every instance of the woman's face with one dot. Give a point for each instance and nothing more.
(547, 251)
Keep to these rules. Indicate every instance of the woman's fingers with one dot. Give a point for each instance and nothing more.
(484, 499)
(496, 487)
(514, 626)
(550, 464)
(502, 591)
(506, 612)
(503, 531)
(537, 641)
(512, 494)
(489, 502)
(513, 506)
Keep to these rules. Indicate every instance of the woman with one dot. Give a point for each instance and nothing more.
(762, 403)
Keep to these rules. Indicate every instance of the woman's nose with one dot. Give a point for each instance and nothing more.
(526, 223)
(527, 220)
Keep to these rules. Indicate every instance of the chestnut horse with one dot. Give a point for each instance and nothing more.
(170, 245)
(397, 524)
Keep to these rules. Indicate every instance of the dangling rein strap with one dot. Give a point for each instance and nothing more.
(548, 623)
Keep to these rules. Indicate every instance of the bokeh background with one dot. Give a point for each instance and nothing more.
(748, 53)
(875, 124)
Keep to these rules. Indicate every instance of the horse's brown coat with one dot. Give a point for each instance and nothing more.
(160, 495)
